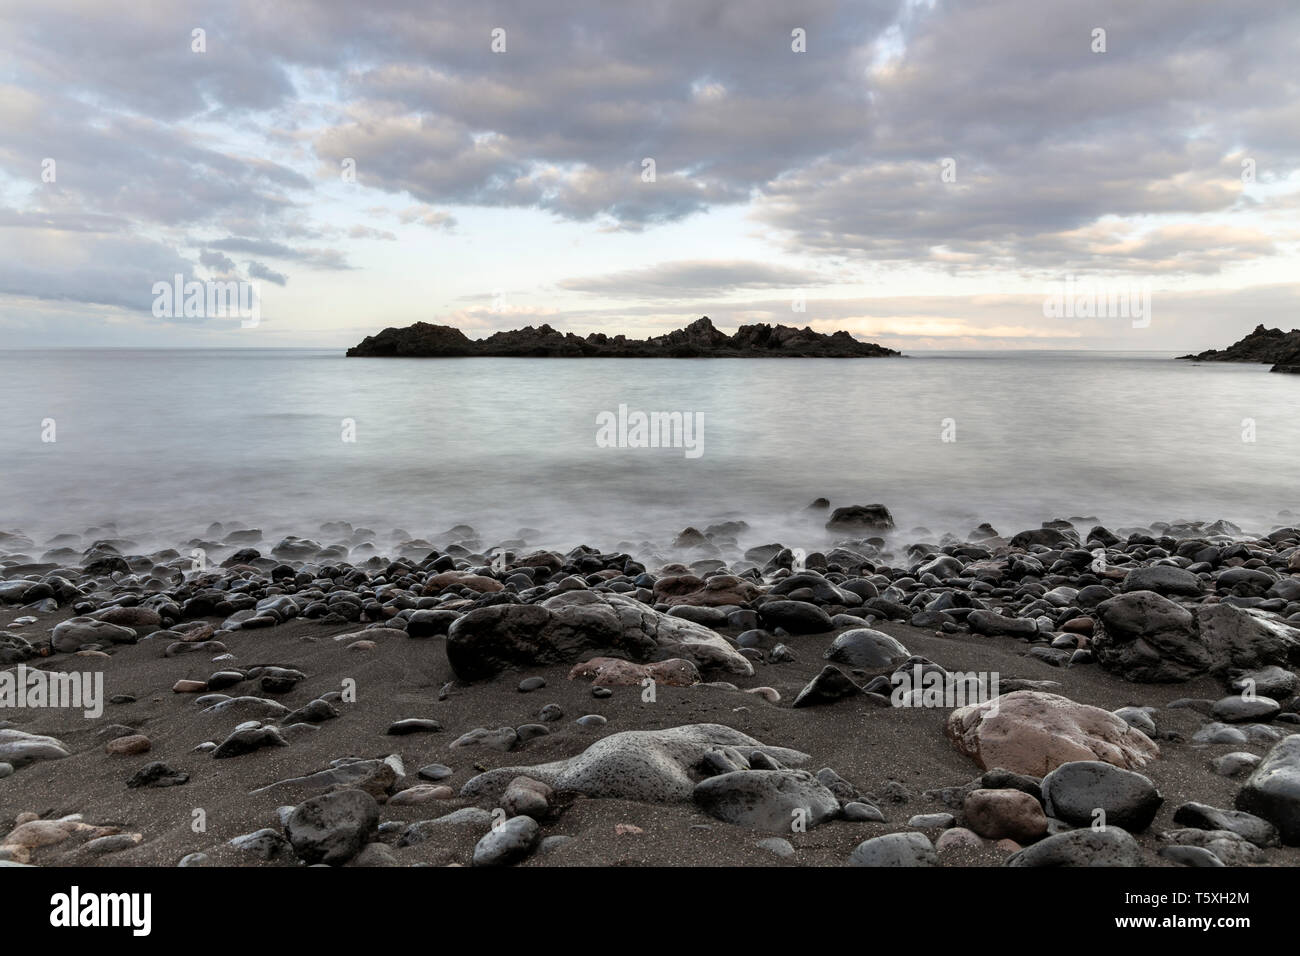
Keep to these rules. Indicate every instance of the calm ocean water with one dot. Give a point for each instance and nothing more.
(164, 442)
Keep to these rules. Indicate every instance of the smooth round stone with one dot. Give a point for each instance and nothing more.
(5, 770)
(531, 731)
(1234, 764)
(859, 812)
(895, 849)
(553, 842)
(928, 821)
(591, 720)
(958, 838)
(435, 771)
(195, 859)
(223, 679)
(1074, 791)
(1191, 856)
(1242, 709)
(551, 713)
(413, 725)
(529, 684)
(507, 843)
(867, 649)
(600, 693)
(778, 846)
(420, 793)
(129, 745)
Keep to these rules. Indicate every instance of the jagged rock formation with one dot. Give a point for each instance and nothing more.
(698, 340)
(1273, 346)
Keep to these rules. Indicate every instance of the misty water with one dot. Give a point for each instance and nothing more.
(165, 442)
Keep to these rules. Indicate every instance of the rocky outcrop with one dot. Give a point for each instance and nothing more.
(698, 340)
(1271, 346)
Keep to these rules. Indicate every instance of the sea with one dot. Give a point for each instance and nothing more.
(156, 445)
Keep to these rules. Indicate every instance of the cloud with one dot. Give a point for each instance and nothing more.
(258, 271)
(1127, 162)
(692, 279)
(217, 261)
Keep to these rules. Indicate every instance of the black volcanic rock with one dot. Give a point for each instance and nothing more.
(698, 340)
(1273, 346)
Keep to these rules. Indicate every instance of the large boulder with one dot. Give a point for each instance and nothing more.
(895, 849)
(71, 634)
(1272, 791)
(1033, 733)
(1239, 637)
(1005, 814)
(1148, 638)
(859, 519)
(651, 766)
(720, 590)
(796, 617)
(1074, 791)
(780, 801)
(866, 649)
(333, 827)
(1112, 846)
(573, 624)
(1163, 579)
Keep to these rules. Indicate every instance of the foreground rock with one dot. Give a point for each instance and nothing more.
(1033, 733)
(333, 827)
(1109, 847)
(1089, 792)
(775, 800)
(563, 628)
(651, 766)
(895, 849)
(1273, 790)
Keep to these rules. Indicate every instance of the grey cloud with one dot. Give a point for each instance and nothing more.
(216, 261)
(692, 279)
(258, 271)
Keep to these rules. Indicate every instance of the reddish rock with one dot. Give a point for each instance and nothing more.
(1032, 732)
(717, 591)
(189, 687)
(957, 838)
(438, 583)
(999, 814)
(1078, 625)
(613, 672)
(128, 745)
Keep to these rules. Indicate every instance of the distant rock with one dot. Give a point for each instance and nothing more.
(699, 339)
(1272, 346)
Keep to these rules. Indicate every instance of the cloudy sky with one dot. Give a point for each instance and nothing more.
(923, 174)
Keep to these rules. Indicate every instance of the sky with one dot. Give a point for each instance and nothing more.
(927, 175)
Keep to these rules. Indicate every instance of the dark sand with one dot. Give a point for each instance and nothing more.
(866, 744)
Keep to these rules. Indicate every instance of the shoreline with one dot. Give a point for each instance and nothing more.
(298, 663)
